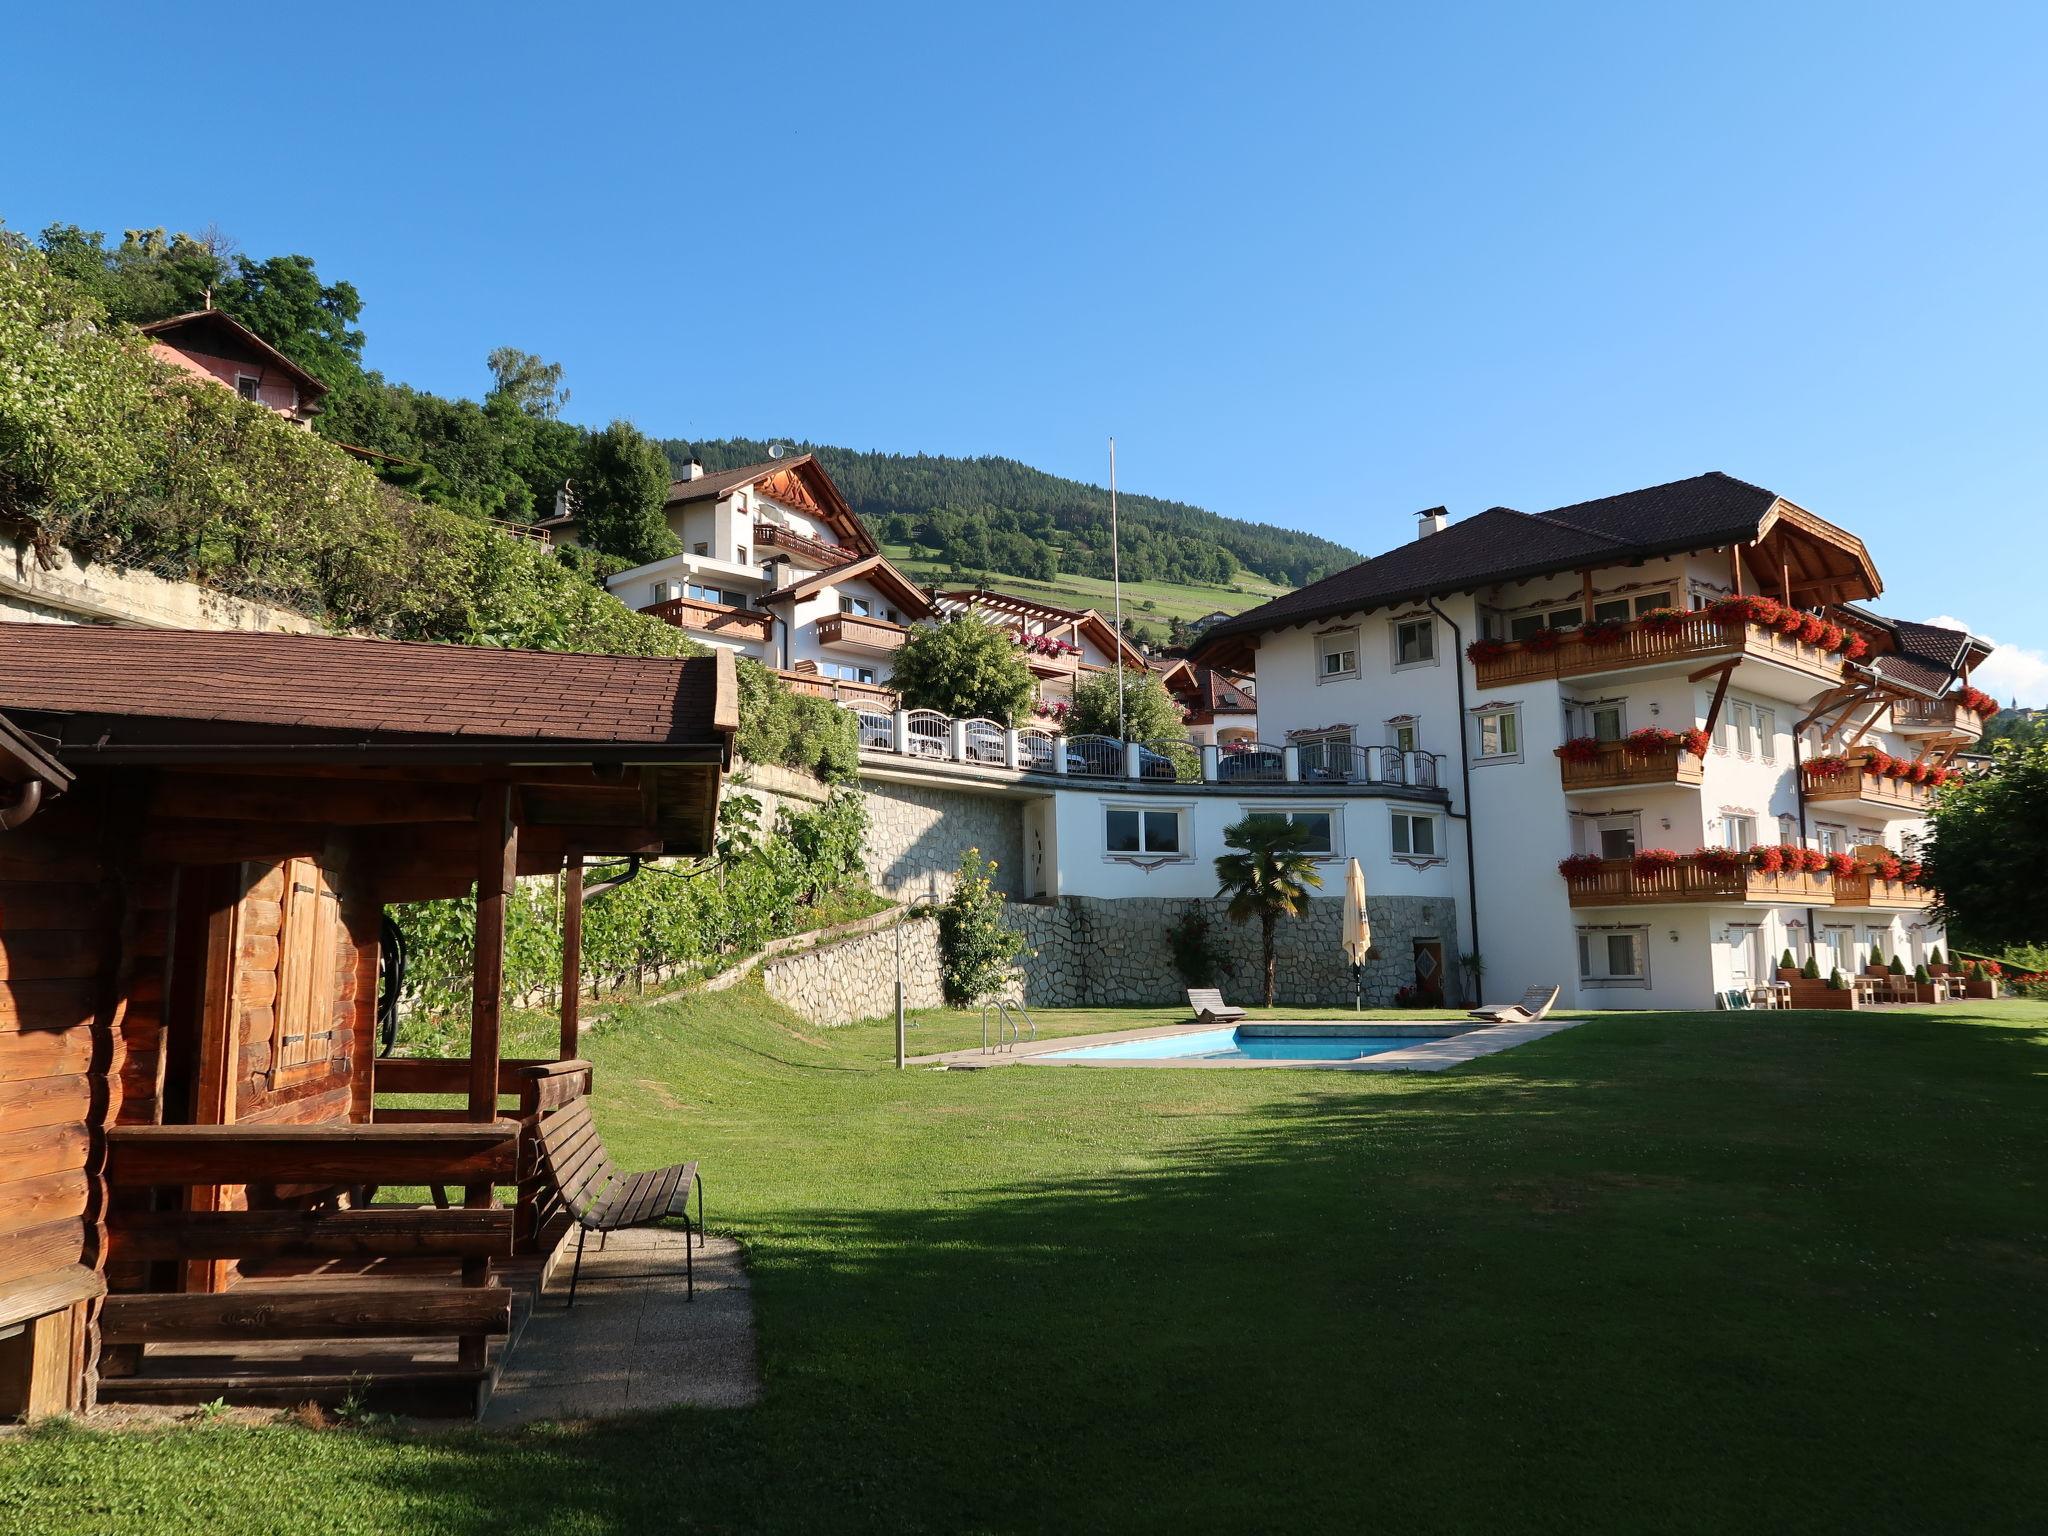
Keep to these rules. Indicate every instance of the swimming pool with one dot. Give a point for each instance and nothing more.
(1257, 1043)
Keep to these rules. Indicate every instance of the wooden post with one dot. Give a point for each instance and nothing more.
(1735, 564)
(572, 956)
(497, 865)
(1586, 596)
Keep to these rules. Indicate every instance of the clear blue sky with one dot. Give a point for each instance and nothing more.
(1320, 267)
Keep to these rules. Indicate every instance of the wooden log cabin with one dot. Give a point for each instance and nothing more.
(205, 1189)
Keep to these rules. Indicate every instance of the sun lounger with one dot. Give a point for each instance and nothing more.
(1535, 1003)
(1208, 1003)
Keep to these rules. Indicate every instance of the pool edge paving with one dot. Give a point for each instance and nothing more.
(1454, 1049)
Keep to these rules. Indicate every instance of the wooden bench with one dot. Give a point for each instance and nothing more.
(605, 1199)
(1208, 1004)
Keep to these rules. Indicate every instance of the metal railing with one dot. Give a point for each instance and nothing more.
(877, 729)
(1006, 1016)
(1095, 757)
(984, 742)
(1251, 762)
(925, 733)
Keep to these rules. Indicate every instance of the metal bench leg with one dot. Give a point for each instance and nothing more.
(689, 1262)
(576, 1273)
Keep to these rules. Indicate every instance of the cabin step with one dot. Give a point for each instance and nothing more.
(441, 1393)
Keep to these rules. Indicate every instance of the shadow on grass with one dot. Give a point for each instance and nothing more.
(1649, 1274)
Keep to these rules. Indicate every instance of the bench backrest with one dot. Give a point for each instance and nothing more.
(1537, 1000)
(575, 1156)
(1206, 1000)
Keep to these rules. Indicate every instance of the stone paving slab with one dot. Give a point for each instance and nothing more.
(633, 1342)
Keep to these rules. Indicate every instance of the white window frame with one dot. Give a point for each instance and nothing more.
(1396, 816)
(1766, 733)
(1582, 717)
(1732, 820)
(1336, 643)
(1427, 623)
(1412, 725)
(1511, 716)
(1595, 941)
(254, 391)
(1141, 809)
(1630, 822)
(1289, 812)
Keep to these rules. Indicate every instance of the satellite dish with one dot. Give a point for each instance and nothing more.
(776, 450)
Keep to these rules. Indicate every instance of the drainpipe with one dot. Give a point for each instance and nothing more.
(1464, 772)
(25, 804)
(1799, 790)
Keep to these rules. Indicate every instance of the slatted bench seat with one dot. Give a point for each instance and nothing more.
(605, 1199)
(1209, 1007)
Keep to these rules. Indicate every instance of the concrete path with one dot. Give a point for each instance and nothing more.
(632, 1342)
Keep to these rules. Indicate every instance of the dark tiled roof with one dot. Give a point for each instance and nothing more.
(1927, 657)
(717, 482)
(171, 328)
(372, 688)
(1501, 544)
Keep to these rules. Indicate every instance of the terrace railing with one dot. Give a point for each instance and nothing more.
(1096, 757)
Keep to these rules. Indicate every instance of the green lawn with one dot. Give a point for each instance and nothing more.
(1656, 1273)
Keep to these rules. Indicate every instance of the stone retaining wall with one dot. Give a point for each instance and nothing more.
(1099, 952)
(916, 836)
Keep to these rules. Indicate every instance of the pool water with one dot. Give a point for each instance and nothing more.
(1233, 1045)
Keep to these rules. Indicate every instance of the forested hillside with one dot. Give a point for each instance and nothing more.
(507, 455)
(995, 514)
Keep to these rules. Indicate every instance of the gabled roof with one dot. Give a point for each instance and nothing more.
(1503, 545)
(277, 687)
(875, 569)
(804, 471)
(1092, 623)
(173, 328)
(1925, 657)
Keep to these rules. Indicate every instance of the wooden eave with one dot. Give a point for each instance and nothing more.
(873, 568)
(1807, 561)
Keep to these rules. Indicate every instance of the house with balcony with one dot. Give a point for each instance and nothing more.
(773, 564)
(1061, 646)
(1218, 706)
(1676, 739)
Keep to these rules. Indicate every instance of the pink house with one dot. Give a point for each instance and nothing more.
(217, 346)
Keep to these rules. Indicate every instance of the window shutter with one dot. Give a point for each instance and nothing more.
(306, 966)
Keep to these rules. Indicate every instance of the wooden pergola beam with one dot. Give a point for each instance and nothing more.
(572, 955)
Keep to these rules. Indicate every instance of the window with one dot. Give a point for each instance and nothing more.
(1603, 719)
(1834, 839)
(1738, 831)
(248, 388)
(1500, 733)
(700, 549)
(847, 672)
(1130, 832)
(705, 594)
(1650, 602)
(1326, 755)
(890, 615)
(859, 607)
(1525, 625)
(1738, 731)
(1415, 643)
(1414, 836)
(739, 555)
(1614, 957)
(1337, 655)
(1613, 608)
(1767, 734)
(1319, 826)
(1404, 735)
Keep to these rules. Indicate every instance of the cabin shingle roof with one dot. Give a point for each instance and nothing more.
(386, 689)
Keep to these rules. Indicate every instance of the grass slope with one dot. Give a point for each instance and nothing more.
(1676, 1273)
(1168, 599)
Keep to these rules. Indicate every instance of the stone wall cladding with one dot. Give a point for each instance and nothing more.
(917, 835)
(1089, 951)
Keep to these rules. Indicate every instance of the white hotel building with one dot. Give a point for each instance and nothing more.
(1526, 650)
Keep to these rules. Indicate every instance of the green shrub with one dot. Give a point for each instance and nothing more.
(794, 730)
(1934, 956)
(1877, 957)
(1920, 975)
(1197, 956)
(1811, 970)
(1835, 980)
(975, 950)
(963, 667)
(1786, 962)
(1897, 967)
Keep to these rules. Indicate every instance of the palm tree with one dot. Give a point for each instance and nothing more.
(1268, 877)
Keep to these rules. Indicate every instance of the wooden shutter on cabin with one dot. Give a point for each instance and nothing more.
(305, 982)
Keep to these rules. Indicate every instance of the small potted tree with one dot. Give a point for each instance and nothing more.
(1788, 968)
(1876, 965)
(1936, 966)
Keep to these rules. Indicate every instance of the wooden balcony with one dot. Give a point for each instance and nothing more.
(747, 624)
(875, 637)
(838, 689)
(1947, 718)
(1620, 766)
(1871, 891)
(1697, 640)
(802, 549)
(1687, 883)
(1065, 664)
(1867, 791)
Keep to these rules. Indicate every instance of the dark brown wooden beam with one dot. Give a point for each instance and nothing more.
(253, 1312)
(366, 1232)
(312, 1154)
(572, 955)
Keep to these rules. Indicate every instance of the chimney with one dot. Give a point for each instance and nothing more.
(692, 469)
(1431, 520)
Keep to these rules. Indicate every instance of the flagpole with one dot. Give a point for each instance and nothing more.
(1116, 578)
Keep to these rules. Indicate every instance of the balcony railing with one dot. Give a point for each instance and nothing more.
(1868, 888)
(1871, 791)
(1697, 637)
(1937, 717)
(838, 689)
(931, 736)
(819, 554)
(1620, 764)
(1620, 883)
(714, 618)
(856, 633)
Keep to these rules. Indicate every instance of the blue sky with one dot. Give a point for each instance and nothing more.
(1319, 266)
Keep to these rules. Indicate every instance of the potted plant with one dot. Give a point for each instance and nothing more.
(1652, 862)
(1876, 965)
(1580, 749)
(1936, 965)
(1718, 861)
(1604, 633)
(1485, 650)
(1841, 864)
(1696, 741)
(1768, 858)
(1581, 867)
(1662, 621)
(1788, 968)
(1811, 970)
(1544, 641)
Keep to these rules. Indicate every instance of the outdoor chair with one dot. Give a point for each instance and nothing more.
(1535, 1003)
(1734, 998)
(604, 1199)
(1208, 1004)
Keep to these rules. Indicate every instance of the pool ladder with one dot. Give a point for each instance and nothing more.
(1006, 1017)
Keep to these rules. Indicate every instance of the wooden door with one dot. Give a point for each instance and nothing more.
(1429, 968)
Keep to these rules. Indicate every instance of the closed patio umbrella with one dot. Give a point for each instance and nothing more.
(1357, 929)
